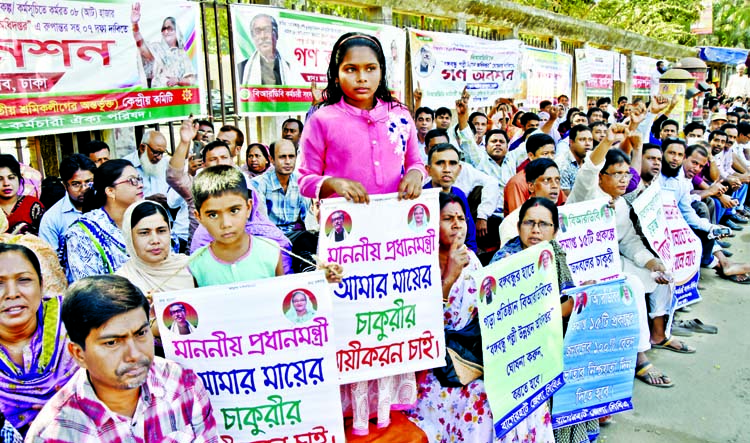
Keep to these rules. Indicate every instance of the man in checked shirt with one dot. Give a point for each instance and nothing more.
(122, 393)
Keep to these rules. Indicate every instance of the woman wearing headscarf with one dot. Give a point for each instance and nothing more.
(34, 361)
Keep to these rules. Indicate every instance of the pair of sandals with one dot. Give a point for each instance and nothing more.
(647, 373)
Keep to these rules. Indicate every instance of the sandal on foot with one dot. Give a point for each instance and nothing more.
(665, 344)
(742, 279)
(646, 373)
(696, 325)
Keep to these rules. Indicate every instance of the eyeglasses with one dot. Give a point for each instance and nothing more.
(77, 186)
(154, 152)
(542, 225)
(167, 28)
(619, 176)
(262, 30)
(134, 181)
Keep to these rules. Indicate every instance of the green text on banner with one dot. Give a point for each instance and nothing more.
(279, 52)
(388, 308)
(271, 374)
(521, 323)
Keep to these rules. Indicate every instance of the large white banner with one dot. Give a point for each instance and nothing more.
(388, 310)
(442, 64)
(588, 236)
(300, 44)
(643, 69)
(547, 75)
(264, 351)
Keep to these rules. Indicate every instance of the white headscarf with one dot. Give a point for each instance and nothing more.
(172, 274)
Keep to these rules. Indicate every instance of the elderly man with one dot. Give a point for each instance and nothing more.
(606, 173)
(121, 392)
(150, 163)
(266, 66)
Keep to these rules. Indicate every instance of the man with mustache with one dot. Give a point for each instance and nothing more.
(266, 66)
(122, 392)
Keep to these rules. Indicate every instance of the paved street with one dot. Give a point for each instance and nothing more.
(710, 401)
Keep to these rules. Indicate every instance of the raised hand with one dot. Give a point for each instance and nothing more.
(135, 13)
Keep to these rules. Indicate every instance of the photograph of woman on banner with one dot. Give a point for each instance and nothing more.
(538, 221)
(299, 306)
(266, 66)
(165, 61)
(357, 105)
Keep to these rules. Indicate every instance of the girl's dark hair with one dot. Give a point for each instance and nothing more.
(26, 252)
(104, 176)
(10, 162)
(449, 197)
(543, 202)
(147, 209)
(332, 94)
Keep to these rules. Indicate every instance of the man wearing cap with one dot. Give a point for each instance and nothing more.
(718, 119)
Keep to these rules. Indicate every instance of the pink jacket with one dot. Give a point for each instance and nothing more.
(376, 148)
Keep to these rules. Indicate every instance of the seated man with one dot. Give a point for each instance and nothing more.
(517, 189)
(606, 173)
(121, 392)
(443, 167)
(285, 205)
(543, 178)
(77, 174)
(97, 151)
(468, 179)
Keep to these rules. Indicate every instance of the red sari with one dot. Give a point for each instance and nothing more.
(25, 216)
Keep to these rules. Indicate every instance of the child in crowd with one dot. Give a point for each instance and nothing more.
(362, 141)
(223, 205)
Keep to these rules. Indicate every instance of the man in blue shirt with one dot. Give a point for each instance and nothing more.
(77, 174)
(285, 205)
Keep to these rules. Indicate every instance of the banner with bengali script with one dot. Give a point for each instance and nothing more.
(599, 354)
(298, 48)
(597, 68)
(388, 308)
(521, 323)
(588, 236)
(643, 69)
(269, 371)
(546, 75)
(76, 65)
(670, 89)
(705, 22)
(672, 239)
(442, 64)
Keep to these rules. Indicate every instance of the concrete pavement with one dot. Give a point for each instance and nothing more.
(710, 401)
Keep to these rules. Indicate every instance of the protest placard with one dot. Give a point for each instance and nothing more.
(587, 234)
(442, 64)
(547, 74)
(300, 46)
(521, 324)
(600, 65)
(672, 239)
(643, 69)
(78, 65)
(388, 308)
(599, 354)
(265, 352)
(679, 89)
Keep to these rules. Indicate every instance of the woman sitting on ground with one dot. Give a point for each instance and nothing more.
(34, 361)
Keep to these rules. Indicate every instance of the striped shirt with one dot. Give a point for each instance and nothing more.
(173, 407)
